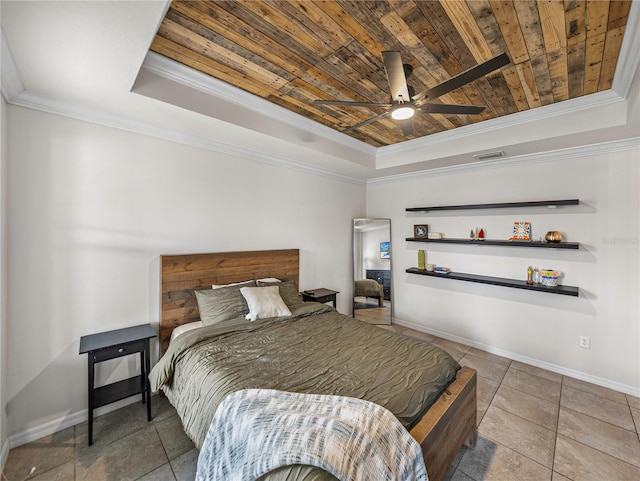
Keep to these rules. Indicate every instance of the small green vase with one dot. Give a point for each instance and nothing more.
(421, 260)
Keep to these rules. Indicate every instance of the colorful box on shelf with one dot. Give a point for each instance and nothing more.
(549, 278)
(521, 231)
(441, 270)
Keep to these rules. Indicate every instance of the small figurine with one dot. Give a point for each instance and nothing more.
(472, 235)
(481, 234)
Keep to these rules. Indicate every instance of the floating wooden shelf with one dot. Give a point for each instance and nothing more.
(498, 242)
(502, 205)
(499, 281)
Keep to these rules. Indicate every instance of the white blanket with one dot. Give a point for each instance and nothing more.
(255, 431)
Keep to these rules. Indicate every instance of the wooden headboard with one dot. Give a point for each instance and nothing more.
(180, 275)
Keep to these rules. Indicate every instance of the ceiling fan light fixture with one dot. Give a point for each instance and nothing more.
(403, 111)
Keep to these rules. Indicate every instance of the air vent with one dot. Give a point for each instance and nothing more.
(489, 155)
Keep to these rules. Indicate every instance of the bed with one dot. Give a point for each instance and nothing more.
(369, 288)
(440, 431)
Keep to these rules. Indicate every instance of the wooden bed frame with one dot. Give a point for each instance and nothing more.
(448, 424)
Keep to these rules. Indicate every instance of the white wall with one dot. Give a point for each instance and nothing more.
(535, 327)
(90, 210)
(371, 250)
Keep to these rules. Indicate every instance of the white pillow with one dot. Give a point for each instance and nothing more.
(184, 328)
(269, 279)
(264, 302)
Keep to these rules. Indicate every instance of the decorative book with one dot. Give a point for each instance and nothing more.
(521, 231)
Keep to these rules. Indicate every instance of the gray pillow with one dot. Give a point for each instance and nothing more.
(222, 304)
(288, 291)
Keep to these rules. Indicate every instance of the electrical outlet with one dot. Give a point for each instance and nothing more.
(585, 342)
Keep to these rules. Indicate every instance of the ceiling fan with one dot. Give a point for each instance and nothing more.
(405, 103)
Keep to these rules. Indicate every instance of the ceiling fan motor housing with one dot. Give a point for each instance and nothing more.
(404, 101)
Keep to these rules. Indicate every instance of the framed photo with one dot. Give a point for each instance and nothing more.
(420, 230)
(385, 250)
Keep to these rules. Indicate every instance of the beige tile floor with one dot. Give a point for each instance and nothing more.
(533, 425)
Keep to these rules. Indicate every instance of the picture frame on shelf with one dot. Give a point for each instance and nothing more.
(421, 230)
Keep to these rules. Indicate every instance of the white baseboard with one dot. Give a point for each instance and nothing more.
(50, 427)
(3, 454)
(616, 386)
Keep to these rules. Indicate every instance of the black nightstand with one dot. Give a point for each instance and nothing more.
(111, 345)
(321, 295)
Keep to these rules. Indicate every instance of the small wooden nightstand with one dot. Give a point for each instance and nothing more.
(111, 345)
(321, 295)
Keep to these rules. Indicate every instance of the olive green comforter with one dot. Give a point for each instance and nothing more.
(368, 288)
(316, 350)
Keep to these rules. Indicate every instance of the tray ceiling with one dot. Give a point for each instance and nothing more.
(294, 52)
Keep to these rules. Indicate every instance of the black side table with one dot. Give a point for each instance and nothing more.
(321, 295)
(111, 345)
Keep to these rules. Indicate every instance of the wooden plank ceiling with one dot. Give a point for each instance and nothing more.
(296, 51)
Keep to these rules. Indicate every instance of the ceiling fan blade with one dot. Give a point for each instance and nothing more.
(452, 109)
(395, 76)
(406, 126)
(350, 104)
(366, 122)
(465, 77)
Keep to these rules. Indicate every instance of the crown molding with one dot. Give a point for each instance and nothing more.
(528, 159)
(42, 103)
(545, 113)
(629, 57)
(15, 94)
(626, 70)
(184, 75)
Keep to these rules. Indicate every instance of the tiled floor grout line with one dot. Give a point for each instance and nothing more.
(525, 419)
(594, 394)
(521, 454)
(164, 449)
(599, 451)
(555, 441)
(553, 462)
(635, 431)
(530, 394)
(528, 420)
